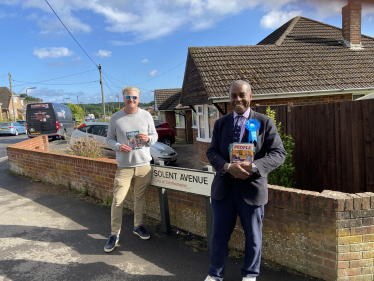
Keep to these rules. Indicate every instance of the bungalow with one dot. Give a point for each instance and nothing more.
(6, 105)
(167, 103)
(302, 62)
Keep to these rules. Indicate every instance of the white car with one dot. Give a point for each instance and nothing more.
(99, 130)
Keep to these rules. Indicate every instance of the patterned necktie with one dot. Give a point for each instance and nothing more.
(237, 129)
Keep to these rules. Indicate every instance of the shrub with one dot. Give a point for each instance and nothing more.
(284, 174)
(89, 147)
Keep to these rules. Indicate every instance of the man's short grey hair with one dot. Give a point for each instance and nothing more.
(130, 88)
(240, 82)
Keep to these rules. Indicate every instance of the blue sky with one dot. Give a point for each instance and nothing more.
(134, 41)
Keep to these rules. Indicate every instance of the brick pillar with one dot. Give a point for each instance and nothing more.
(351, 26)
(189, 133)
(170, 118)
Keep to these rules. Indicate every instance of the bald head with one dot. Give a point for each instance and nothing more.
(240, 82)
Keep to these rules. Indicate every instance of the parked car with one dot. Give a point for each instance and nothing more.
(165, 132)
(22, 122)
(12, 128)
(51, 119)
(99, 130)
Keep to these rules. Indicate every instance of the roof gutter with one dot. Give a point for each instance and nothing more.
(297, 94)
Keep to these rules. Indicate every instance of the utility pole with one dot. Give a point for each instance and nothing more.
(11, 94)
(118, 101)
(102, 91)
(78, 106)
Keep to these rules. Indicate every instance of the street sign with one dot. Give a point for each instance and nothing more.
(187, 180)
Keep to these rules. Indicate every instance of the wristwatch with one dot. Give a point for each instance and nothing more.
(254, 168)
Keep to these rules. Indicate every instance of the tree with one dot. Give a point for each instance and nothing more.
(115, 110)
(29, 98)
(76, 110)
(284, 174)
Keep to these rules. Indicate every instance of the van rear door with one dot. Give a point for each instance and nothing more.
(41, 119)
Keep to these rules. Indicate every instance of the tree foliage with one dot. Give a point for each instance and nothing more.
(284, 174)
(76, 110)
(29, 98)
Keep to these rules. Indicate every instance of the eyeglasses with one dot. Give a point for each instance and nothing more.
(133, 97)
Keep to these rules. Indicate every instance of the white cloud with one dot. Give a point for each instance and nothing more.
(76, 58)
(153, 72)
(275, 19)
(121, 43)
(103, 53)
(52, 52)
(148, 19)
(56, 63)
(32, 16)
(145, 60)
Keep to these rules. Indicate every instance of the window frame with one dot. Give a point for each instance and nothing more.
(206, 123)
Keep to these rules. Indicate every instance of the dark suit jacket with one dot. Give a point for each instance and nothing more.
(269, 154)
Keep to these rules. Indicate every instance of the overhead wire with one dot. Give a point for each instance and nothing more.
(127, 83)
(71, 34)
(39, 82)
(3, 75)
(161, 74)
(28, 83)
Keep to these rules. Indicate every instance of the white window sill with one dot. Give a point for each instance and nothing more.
(195, 127)
(203, 140)
(179, 127)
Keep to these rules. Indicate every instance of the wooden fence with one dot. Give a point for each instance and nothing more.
(334, 144)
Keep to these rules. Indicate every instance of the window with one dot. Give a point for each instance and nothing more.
(194, 118)
(206, 116)
(86, 129)
(161, 116)
(201, 127)
(14, 99)
(212, 117)
(21, 102)
(158, 125)
(100, 130)
(179, 119)
(355, 97)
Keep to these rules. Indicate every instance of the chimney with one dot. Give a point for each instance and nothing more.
(352, 25)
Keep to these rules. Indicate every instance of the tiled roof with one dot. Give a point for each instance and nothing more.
(168, 99)
(5, 97)
(303, 55)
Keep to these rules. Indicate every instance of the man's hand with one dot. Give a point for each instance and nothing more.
(237, 170)
(247, 167)
(143, 137)
(124, 148)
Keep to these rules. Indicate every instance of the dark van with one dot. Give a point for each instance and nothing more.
(51, 119)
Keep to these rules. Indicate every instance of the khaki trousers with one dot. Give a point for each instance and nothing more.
(142, 179)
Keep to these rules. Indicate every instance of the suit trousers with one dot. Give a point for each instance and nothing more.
(142, 178)
(224, 215)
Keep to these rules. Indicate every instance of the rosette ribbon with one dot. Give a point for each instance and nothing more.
(252, 126)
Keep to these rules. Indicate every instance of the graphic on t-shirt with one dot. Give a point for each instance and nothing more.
(133, 140)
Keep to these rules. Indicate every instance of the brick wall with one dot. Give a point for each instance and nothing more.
(195, 135)
(328, 235)
(203, 147)
(189, 136)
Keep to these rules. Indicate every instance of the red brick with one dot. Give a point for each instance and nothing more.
(349, 256)
(349, 272)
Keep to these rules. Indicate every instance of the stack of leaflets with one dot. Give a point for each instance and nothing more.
(240, 152)
(134, 141)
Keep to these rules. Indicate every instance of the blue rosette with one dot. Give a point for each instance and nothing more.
(252, 125)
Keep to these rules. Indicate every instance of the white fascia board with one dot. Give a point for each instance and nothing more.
(298, 94)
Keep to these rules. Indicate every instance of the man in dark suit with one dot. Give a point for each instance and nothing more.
(240, 188)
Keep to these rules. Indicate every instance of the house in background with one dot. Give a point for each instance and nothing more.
(167, 103)
(7, 105)
(302, 62)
